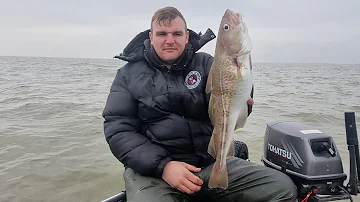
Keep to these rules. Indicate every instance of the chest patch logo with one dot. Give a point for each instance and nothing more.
(193, 79)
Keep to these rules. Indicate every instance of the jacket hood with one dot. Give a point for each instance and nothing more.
(134, 51)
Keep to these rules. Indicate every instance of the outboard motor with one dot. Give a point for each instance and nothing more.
(310, 158)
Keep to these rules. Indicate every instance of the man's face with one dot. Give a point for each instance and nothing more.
(169, 39)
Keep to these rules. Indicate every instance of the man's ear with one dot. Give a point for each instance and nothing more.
(150, 36)
(187, 36)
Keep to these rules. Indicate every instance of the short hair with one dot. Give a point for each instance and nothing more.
(167, 14)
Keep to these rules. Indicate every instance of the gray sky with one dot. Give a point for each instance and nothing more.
(325, 31)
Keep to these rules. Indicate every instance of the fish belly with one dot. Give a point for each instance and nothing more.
(239, 109)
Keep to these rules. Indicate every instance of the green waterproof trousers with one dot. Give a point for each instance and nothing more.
(247, 182)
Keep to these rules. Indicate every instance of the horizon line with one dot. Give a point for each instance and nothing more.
(111, 58)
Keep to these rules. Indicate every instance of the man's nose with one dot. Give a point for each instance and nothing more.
(170, 38)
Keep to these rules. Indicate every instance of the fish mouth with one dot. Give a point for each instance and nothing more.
(236, 18)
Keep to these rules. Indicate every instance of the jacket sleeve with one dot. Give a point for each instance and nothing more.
(122, 132)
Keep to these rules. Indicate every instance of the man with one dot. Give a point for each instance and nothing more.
(157, 125)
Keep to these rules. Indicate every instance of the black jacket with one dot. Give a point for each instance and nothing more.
(154, 115)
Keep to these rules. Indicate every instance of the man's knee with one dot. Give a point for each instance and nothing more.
(286, 188)
(275, 185)
(141, 188)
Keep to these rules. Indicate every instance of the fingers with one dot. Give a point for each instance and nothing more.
(191, 186)
(194, 179)
(190, 176)
(184, 189)
(185, 181)
(188, 187)
(192, 168)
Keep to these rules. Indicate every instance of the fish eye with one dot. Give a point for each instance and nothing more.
(226, 27)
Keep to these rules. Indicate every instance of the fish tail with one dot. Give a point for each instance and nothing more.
(219, 176)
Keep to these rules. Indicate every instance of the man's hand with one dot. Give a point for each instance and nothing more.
(250, 101)
(179, 175)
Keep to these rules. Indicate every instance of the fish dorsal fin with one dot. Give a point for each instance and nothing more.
(208, 88)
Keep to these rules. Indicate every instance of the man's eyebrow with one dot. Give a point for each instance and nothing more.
(161, 33)
(178, 32)
(175, 32)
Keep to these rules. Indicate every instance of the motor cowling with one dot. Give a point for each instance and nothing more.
(306, 154)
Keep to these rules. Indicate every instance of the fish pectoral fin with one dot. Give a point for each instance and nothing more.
(231, 151)
(211, 147)
(238, 62)
(208, 88)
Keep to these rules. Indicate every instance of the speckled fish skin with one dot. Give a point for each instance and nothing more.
(229, 82)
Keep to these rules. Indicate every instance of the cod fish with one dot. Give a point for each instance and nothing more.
(230, 83)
